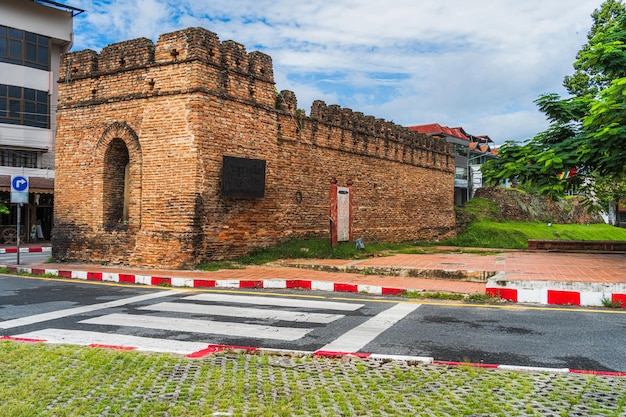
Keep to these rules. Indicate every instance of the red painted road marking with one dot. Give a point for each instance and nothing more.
(220, 348)
(298, 283)
(94, 276)
(204, 283)
(476, 365)
(509, 294)
(161, 281)
(564, 297)
(331, 354)
(113, 347)
(22, 339)
(346, 287)
(250, 284)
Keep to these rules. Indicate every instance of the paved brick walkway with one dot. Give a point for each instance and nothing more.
(465, 273)
(543, 266)
(412, 271)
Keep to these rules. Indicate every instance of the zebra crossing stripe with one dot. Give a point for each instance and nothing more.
(88, 338)
(279, 302)
(200, 326)
(38, 318)
(355, 339)
(257, 313)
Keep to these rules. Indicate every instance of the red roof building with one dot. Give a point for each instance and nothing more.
(470, 152)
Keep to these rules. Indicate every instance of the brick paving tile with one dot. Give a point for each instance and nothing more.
(549, 266)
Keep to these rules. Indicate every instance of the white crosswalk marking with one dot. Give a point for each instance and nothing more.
(200, 326)
(256, 313)
(38, 318)
(279, 302)
(84, 338)
(355, 339)
(217, 315)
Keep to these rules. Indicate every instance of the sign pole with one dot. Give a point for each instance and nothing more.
(19, 195)
(19, 221)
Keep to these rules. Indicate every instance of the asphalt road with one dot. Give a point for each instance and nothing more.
(186, 321)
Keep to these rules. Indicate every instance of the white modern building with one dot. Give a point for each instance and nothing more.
(33, 35)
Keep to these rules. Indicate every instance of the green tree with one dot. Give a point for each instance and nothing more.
(587, 129)
(587, 79)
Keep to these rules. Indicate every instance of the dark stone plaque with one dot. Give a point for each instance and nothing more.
(243, 177)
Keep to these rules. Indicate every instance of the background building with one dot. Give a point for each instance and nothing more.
(33, 35)
(470, 152)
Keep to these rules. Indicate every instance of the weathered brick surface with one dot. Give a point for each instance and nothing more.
(178, 107)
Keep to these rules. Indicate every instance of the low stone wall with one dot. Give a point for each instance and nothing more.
(578, 245)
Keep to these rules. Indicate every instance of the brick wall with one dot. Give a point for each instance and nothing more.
(173, 109)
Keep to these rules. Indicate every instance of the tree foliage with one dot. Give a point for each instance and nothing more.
(587, 131)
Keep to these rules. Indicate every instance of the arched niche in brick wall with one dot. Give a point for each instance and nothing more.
(118, 162)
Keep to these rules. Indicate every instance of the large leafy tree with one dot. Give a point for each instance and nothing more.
(587, 132)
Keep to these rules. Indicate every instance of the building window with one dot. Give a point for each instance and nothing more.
(460, 150)
(24, 106)
(24, 48)
(18, 158)
(460, 173)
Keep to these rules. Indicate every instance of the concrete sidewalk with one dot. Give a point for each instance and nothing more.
(520, 276)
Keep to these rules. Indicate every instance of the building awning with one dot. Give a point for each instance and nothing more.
(75, 11)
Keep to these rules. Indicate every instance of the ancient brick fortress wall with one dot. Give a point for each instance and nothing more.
(150, 123)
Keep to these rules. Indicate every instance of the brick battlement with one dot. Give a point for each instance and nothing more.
(379, 128)
(138, 68)
(346, 130)
(169, 67)
(192, 44)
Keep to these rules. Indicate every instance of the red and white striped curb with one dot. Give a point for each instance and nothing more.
(211, 283)
(217, 348)
(26, 250)
(557, 293)
(519, 291)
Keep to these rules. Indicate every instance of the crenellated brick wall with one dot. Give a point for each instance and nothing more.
(177, 107)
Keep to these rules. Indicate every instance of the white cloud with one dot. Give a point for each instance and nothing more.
(478, 64)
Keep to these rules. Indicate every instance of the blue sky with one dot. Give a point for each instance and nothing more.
(477, 64)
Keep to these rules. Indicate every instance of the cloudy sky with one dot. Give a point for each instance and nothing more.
(477, 64)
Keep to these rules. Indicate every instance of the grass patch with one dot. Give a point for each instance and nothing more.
(608, 302)
(217, 265)
(317, 249)
(478, 234)
(433, 247)
(485, 299)
(421, 295)
(482, 209)
(472, 298)
(9, 271)
(515, 235)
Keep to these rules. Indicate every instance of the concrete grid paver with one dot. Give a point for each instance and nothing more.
(352, 386)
